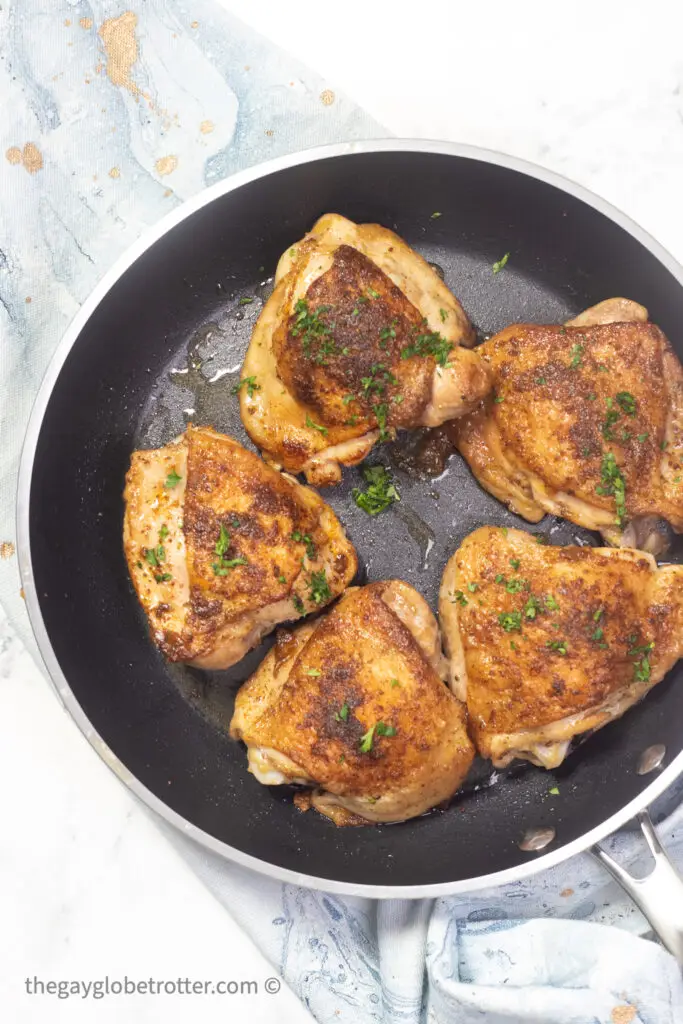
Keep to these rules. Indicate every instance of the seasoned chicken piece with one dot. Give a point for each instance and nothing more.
(221, 548)
(546, 643)
(585, 422)
(354, 706)
(359, 337)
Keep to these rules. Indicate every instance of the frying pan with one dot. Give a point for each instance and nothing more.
(159, 343)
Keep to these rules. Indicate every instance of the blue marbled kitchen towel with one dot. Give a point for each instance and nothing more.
(111, 116)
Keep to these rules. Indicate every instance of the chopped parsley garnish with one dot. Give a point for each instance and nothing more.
(154, 555)
(498, 399)
(313, 672)
(559, 646)
(514, 586)
(431, 343)
(163, 577)
(499, 264)
(540, 380)
(163, 533)
(305, 538)
(627, 402)
(576, 353)
(388, 332)
(298, 604)
(379, 729)
(222, 566)
(372, 293)
(664, 445)
(394, 683)
(641, 667)
(444, 315)
(598, 633)
(511, 621)
(513, 646)
(434, 215)
(316, 426)
(499, 578)
(643, 437)
(515, 563)
(591, 397)
(249, 383)
(381, 412)
(532, 607)
(613, 483)
(551, 604)
(472, 587)
(317, 341)
(282, 579)
(343, 713)
(380, 493)
(172, 479)
(554, 791)
(246, 300)
(459, 598)
(319, 587)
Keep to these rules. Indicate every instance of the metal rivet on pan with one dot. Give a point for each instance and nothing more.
(651, 759)
(536, 839)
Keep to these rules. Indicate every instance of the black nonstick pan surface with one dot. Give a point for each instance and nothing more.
(160, 343)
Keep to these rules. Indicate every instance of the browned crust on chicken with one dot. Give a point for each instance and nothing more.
(539, 634)
(565, 397)
(358, 667)
(276, 535)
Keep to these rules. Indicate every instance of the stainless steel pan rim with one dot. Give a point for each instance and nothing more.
(539, 863)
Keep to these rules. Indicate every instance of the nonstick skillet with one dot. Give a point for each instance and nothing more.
(160, 342)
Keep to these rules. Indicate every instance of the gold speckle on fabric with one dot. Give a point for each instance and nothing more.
(114, 173)
(85, 23)
(13, 155)
(623, 1014)
(166, 164)
(31, 158)
(6, 549)
(206, 127)
(327, 97)
(121, 48)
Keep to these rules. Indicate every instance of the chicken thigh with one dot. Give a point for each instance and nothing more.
(545, 643)
(221, 548)
(585, 422)
(360, 336)
(354, 706)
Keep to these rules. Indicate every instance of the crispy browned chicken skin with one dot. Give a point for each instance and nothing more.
(585, 421)
(221, 548)
(546, 643)
(354, 705)
(360, 336)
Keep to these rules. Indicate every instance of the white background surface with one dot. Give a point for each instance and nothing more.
(593, 90)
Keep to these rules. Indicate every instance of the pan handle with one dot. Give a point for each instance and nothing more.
(659, 895)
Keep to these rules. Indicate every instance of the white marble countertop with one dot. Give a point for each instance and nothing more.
(88, 887)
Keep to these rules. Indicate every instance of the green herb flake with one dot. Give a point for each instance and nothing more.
(643, 437)
(532, 607)
(554, 791)
(316, 426)
(576, 353)
(163, 577)
(541, 380)
(511, 621)
(499, 264)
(316, 334)
(472, 587)
(249, 383)
(613, 484)
(499, 578)
(434, 215)
(380, 492)
(163, 533)
(459, 598)
(172, 480)
(246, 300)
(298, 604)
(150, 556)
(319, 587)
(444, 315)
(343, 714)
(514, 586)
(558, 646)
(431, 343)
(372, 294)
(313, 672)
(513, 646)
(282, 579)
(551, 604)
(381, 729)
(394, 683)
(515, 563)
(627, 403)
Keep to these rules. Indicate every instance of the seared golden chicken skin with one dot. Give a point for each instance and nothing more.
(360, 336)
(585, 422)
(354, 705)
(221, 548)
(545, 643)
